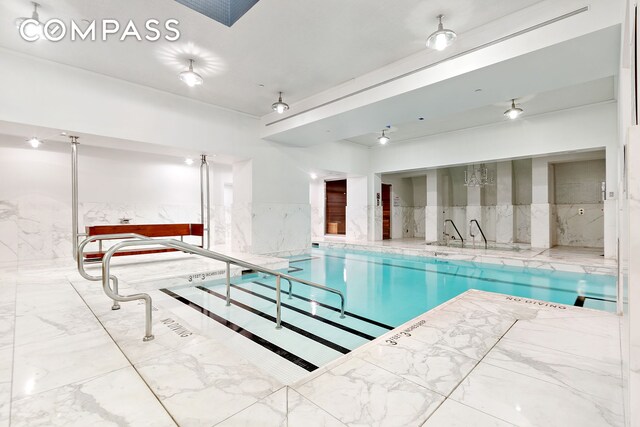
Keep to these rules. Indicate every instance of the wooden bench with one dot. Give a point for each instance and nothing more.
(149, 230)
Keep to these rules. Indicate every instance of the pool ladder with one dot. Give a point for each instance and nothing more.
(139, 240)
(474, 236)
(446, 235)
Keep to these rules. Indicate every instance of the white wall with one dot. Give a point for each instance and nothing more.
(35, 194)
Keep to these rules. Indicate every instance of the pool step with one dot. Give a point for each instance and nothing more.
(306, 339)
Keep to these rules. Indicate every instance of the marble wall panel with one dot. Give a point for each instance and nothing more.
(281, 228)
(357, 220)
(8, 231)
(523, 223)
(419, 221)
(573, 229)
(505, 224)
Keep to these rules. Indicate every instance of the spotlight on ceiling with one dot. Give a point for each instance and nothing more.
(34, 142)
(188, 161)
(383, 139)
(313, 176)
(442, 37)
(513, 112)
(34, 27)
(280, 106)
(190, 77)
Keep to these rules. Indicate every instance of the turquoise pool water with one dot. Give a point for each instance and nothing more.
(393, 289)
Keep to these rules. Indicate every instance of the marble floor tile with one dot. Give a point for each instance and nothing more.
(583, 375)
(526, 401)
(49, 364)
(6, 369)
(606, 349)
(285, 407)
(454, 414)
(434, 367)
(7, 323)
(463, 339)
(118, 398)
(40, 326)
(606, 326)
(204, 384)
(359, 393)
(36, 301)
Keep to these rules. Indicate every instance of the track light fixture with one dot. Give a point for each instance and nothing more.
(34, 27)
(280, 106)
(383, 139)
(190, 77)
(442, 37)
(513, 112)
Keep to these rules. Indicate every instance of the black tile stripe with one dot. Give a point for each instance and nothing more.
(284, 324)
(579, 301)
(466, 276)
(306, 313)
(247, 334)
(355, 316)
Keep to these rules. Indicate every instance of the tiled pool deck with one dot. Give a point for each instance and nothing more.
(480, 359)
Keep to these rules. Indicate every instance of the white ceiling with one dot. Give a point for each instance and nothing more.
(299, 47)
(594, 91)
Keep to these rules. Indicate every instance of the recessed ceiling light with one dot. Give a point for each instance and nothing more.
(383, 139)
(188, 161)
(190, 77)
(513, 112)
(280, 106)
(33, 28)
(34, 142)
(313, 176)
(63, 134)
(441, 38)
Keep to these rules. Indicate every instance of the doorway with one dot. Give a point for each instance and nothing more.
(336, 207)
(386, 211)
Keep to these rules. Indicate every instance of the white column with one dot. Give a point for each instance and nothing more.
(374, 207)
(505, 225)
(317, 201)
(433, 210)
(541, 208)
(357, 216)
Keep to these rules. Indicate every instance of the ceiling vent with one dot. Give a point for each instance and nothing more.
(226, 12)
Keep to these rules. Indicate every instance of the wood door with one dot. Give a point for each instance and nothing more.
(386, 211)
(336, 207)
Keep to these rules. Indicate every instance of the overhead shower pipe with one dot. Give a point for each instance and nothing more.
(205, 202)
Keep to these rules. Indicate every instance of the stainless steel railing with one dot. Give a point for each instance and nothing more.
(486, 245)
(446, 235)
(138, 240)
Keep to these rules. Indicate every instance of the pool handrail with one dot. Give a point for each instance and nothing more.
(486, 246)
(138, 240)
(455, 228)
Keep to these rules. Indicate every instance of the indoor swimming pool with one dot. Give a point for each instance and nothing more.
(382, 292)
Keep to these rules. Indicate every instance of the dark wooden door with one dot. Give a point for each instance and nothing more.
(336, 207)
(386, 211)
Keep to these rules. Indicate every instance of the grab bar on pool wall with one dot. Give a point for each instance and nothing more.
(473, 235)
(455, 228)
(138, 240)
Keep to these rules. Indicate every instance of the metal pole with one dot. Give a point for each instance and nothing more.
(74, 194)
(205, 201)
(278, 307)
(228, 284)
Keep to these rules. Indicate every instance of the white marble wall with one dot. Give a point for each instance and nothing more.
(374, 215)
(488, 223)
(357, 220)
(585, 230)
(39, 228)
(433, 223)
(541, 217)
(505, 224)
(419, 221)
(523, 223)
(271, 228)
